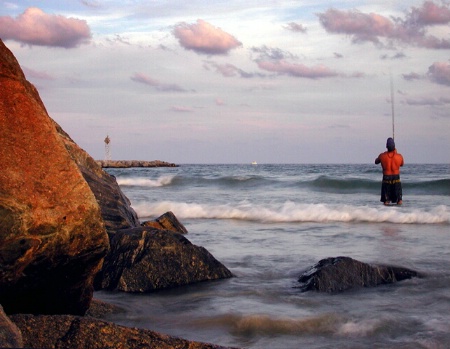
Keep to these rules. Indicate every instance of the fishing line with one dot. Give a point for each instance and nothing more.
(392, 107)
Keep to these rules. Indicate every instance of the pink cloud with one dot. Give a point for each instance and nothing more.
(282, 67)
(440, 72)
(202, 37)
(430, 14)
(373, 27)
(34, 27)
(160, 86)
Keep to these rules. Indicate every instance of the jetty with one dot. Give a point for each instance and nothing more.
(133, 163)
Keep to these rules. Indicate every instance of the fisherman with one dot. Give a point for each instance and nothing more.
(391, 161)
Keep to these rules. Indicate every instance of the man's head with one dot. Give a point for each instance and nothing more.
(390, 144)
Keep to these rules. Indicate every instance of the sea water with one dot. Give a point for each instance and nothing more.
(267, 224)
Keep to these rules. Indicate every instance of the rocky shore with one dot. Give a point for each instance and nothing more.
(66, 227)
(133, 163)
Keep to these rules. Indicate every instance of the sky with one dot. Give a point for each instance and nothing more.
(240, 81)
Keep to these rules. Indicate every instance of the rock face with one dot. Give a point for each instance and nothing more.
(343, 273)
(115, 206)
(146, 259)
(167, 221)
(134, 163)
(66, 331)
(52, 237)
(10, 335)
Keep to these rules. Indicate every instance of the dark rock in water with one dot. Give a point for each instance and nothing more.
(52, 237)
(147, 259)
(343, 273)
(116, 209)
(10, 335)
(67, 331)
(134, 163)
(167, 221)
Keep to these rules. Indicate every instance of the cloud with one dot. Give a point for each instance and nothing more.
(398, 55)
(282, 67)
(34, 27)
(271, 53)
(430, 14)
(439, 72)
(146, 80)
(202, 37)
(296, 27)
(412, 76)
(34, 74)
(372, 27)
(228, 70)
(181, 109)
(428, 101)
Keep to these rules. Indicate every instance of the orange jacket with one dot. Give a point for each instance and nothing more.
(391, 161)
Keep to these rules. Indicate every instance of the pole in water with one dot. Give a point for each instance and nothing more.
(392, 106)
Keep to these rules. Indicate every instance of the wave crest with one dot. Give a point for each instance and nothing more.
(145, 182)
(295, 212)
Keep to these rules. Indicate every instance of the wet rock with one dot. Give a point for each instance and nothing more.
(68, 331)
(167, 221)
(343, 273)
(147, 259)
(100, 309)
(52, 237)
(10, 335)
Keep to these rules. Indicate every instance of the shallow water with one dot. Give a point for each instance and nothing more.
(268, 223)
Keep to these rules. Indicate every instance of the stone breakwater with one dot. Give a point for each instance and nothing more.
(133, 163)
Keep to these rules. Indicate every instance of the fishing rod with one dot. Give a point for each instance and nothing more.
(392, 107)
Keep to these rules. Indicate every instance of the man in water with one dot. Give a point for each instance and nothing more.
(391, 161)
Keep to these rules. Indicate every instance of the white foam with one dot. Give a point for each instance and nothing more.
(295, 212)
(146, 182)
(358, 329)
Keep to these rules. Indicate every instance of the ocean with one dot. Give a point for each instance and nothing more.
(269, 223)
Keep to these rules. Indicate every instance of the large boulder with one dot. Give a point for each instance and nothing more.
(52, 236)
(336, 274)
(147, 259)
(68, 331)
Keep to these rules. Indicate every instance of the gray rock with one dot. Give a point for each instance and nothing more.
(336, 274)
(147, 259)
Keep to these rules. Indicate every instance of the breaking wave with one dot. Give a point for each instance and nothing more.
(145, 182)
(296, 212)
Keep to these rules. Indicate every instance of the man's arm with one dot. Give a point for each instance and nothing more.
(377, 160)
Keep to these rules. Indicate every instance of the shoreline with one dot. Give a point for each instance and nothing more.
(133, 163)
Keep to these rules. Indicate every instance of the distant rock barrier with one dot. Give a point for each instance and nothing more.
(133, 163)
